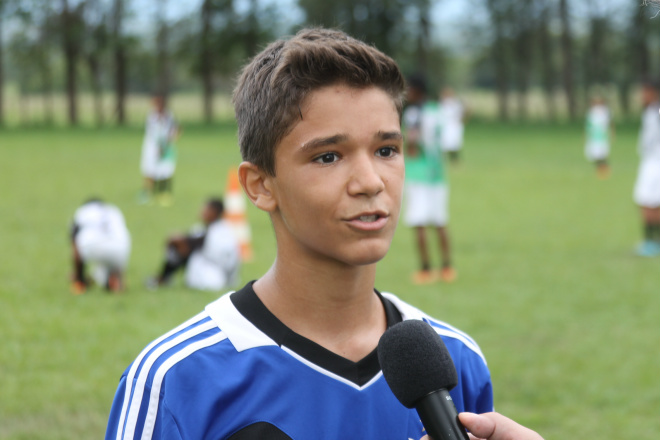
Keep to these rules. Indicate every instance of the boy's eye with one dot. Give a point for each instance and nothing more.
(386, 151)
(327, 158)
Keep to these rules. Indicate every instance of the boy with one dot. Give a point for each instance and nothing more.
(99, 237)
(210, 253)
(598, 127)
(158, 160)
(292, 354)
(647, 187)
(427, 192)
(453, 117)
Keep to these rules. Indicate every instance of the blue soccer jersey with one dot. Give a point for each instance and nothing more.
(236, 372)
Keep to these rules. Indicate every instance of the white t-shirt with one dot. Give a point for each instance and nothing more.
(102, 237)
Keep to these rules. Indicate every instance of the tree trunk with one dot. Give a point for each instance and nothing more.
(567, 56)
(501, 75)
(120, 62)
(206, 66)
(70, 46)
(162, 61)
(2, 69)
(95, 79)
(547, 68)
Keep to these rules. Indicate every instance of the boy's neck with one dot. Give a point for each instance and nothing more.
(337, 308)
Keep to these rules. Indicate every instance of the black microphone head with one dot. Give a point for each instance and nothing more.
(415, 361)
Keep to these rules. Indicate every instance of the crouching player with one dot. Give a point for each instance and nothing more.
(99, 237)
(292, 355)
(210, 253)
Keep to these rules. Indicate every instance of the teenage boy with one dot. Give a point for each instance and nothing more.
(427, 191)
(100, 238)
(292, 355)
(158, 161)
(598, 131)
(647, 186)
(210, 253)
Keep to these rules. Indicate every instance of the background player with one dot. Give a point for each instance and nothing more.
(99, 237)
(158, 161)
(210, 253)
(647, 187)
(453, 123)
(598, 130)
(293, 354)
(427, 191)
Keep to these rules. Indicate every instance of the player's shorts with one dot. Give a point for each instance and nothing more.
(149, 160)
(647, 186)
(597, 150)
(99, 248)
(426, 204)
(452, 137)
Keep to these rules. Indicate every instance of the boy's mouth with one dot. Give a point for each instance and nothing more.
(369, 218)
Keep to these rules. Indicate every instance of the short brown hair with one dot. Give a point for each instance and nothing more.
(274, 84)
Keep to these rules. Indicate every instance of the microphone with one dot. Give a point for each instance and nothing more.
(420, 373)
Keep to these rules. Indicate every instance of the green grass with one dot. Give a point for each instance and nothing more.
(548, 284)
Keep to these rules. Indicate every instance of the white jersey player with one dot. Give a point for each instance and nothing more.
(598, 128)
(158, 161)
(210, 254)
(453, 114)
(647, 187)
(99, 238)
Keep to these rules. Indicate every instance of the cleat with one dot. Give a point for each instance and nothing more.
(648, 248)
(447, 274)
(78, 288)
(424, 277)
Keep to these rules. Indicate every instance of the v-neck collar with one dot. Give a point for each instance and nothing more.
(250, 306)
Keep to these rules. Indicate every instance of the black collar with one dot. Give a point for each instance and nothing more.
(250, 306)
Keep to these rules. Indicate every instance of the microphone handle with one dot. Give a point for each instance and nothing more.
(439, 416)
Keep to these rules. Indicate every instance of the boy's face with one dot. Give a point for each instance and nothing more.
(339, 177)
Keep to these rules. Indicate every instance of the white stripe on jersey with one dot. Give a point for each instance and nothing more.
(410, 312)
(331, 374)
(152, 412)
(131, 419)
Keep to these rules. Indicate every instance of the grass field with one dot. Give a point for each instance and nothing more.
(567, 316)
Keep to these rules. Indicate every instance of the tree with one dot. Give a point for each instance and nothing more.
(162, 55)
(500, 12)
(523, 25)
(72, 28)
(546, 51)
(97, 41)
(120, 60)
(567, 58)
(206, 59)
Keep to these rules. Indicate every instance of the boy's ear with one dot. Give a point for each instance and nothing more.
(257, 185)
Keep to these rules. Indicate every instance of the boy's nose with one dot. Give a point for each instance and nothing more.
(365, 178)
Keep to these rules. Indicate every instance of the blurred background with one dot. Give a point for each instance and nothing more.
(548, 280)
(90, 61)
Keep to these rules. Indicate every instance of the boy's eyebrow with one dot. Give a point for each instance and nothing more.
(323, 142)
(339, 138)
(389, 135)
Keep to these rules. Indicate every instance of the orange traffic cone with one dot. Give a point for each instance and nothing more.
(235, 213)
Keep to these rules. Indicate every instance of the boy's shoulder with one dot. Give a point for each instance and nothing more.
(452, 336)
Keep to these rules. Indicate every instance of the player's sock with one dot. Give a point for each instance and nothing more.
(649, 231)
(654, 231)
(79, 269)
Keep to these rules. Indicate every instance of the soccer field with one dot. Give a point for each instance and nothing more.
(548, 285)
